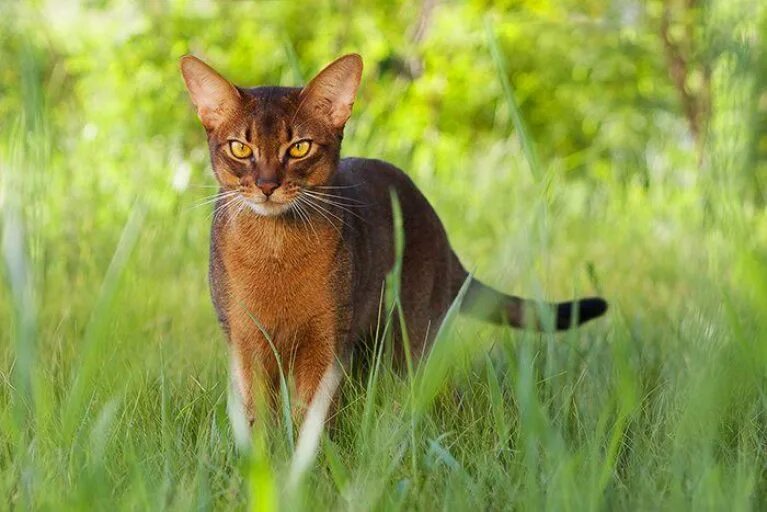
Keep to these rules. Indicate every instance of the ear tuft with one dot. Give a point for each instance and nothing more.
(212, 94)
(333, 90)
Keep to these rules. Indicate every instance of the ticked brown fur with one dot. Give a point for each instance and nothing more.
(299, 270)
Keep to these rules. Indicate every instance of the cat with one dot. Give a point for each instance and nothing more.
(302, 240)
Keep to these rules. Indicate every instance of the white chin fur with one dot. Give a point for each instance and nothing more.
(268, 208)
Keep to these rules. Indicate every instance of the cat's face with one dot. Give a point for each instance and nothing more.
(270, 144)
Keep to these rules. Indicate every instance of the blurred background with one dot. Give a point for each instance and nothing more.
(552, 137)
(570, 147)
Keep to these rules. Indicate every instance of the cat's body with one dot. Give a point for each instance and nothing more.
(291, 275)
(302, 241)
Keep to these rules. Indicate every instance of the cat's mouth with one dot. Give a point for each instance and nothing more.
(267, 206)
(304, 201)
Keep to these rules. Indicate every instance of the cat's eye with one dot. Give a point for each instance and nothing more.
(239, 149)
(299, 149)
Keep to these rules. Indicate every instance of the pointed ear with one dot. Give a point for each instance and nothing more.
(212, 94)
(333, 90)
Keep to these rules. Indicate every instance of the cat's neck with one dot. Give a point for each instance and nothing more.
(275, 236)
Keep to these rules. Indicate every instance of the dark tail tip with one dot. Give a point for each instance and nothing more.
(581, 310)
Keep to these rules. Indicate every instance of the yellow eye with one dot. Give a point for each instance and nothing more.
(299, 149)
(239, 149)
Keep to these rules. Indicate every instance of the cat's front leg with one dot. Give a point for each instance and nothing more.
(251, 371)
(239, 403)
(314, 420)
(317, 375)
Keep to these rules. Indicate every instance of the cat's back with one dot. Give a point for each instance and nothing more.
(373, 180)
(367, 185)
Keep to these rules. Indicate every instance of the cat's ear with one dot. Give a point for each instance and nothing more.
(212, 94)
(333, 90)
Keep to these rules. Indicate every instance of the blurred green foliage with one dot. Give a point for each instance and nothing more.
(594, 79)
(627, 156)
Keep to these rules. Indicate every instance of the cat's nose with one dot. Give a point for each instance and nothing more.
(267, 186)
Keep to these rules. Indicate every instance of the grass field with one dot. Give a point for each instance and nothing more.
(113, 370)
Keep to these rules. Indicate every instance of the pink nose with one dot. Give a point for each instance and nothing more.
(267, 186)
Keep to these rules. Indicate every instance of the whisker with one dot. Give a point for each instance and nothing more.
(224, 204)
(327, 211)
(338, 205)
(237, 212)
(206, 203)
(334, 196)
(243, 206)
(308, 220)
(334, 202)
(305, 219)
(212, 199)
(222, 207)
(328, 187)
(311, 222)
(334, 214)
(322, 211)
(236, 202)
(217, 195)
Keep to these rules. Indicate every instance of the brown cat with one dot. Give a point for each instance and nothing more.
(301, 241)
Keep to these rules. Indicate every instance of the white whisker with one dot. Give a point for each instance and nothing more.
(328, 187)
(355, 202)
(305, 219)
(241, 208)
(239, 204)
(222, 207)
(338, 205)
(213, 199)
(322, 211)
(331, 201)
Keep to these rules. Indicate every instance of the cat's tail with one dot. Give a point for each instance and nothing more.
(486, 303)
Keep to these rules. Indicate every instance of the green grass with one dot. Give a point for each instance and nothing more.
(113, 370)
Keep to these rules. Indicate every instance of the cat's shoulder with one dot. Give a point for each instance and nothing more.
(354, 169)
(360, 164)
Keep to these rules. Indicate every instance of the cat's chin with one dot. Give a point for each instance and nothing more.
(267, 208)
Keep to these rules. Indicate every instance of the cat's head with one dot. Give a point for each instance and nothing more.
(268, 144)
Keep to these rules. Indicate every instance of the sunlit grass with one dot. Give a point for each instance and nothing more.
(113, 371)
